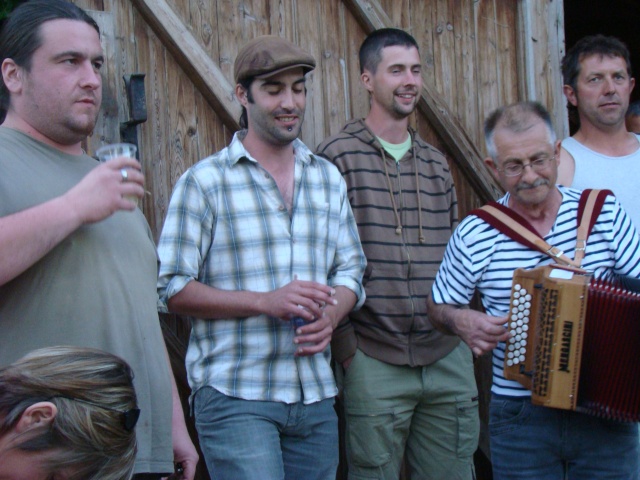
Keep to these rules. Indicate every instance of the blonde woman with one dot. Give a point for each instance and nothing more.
(67, 413)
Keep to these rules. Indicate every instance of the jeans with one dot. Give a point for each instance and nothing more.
(534, 442)
(431, 412)
(249, 439)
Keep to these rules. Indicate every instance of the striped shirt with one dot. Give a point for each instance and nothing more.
(228, 227)
(480, 257)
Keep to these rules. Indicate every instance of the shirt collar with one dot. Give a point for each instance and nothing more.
(237, 151)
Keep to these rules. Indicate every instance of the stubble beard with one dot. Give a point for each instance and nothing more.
(400, 111)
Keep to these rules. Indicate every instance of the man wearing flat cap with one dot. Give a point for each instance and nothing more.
(260, 249)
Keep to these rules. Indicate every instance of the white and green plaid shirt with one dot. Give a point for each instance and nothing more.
(227, 227)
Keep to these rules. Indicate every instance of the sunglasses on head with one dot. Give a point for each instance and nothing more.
(129, 417)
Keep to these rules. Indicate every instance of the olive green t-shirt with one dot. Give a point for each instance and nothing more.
(97, 288)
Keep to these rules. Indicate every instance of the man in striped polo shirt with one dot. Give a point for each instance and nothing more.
(529, 441)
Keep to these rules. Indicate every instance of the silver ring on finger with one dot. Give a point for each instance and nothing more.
(124, 174)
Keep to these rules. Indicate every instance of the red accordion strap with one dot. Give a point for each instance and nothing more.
(519, 229)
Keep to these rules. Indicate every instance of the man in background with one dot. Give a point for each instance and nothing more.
(261, 251)
(77, 260)
(602, 153)
(407, 387)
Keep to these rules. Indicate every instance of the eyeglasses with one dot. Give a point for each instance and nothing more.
(515, 169)
(129, 417)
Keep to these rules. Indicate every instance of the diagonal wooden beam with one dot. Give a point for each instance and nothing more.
(372, 16)
(194, 60)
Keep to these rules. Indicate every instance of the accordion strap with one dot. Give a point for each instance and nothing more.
(589, 208)
(519, 229)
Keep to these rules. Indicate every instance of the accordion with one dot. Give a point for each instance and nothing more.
(575, 342)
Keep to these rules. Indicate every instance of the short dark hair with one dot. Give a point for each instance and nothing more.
(21, 36)
(592, 45)
(517, 118)
(246, 84)
(370, 53)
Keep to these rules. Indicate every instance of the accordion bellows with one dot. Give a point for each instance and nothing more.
(575, 342)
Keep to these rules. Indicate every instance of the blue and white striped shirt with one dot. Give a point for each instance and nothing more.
(480, 257)
(228, 227)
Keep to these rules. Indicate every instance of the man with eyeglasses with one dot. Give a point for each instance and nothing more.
(529, 441)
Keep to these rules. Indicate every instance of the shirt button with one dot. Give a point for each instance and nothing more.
(266, 175)
(281, 208)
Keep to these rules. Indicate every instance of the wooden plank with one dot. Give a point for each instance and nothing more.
(201, 17)
(230, 38)
(154, 133)
(352, 37)
(464, 152)
(183, 147)
(486, 58)
(282, 19)
(423, 13)
(506, 20)
(443, 55)
(464, 41)
(200, 68)
(540, 51)
(331, 66)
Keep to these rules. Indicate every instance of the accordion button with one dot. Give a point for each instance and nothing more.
(524, 334)
(523, 291)
(514, 317)
(527, 304)
(521, 358)
(526, 312)
(509, 363)
(514, 310)
(527, 297)
(517, 287)
(525, 327)
(516, 296)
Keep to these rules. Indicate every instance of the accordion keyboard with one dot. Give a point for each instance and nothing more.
(549, 309)
(518, 326)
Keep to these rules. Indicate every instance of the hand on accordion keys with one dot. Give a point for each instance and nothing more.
(481, 332)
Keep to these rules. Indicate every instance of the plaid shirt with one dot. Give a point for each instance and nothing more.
(227, 227)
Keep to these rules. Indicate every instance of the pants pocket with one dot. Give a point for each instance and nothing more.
(468, 427)
(369, 438)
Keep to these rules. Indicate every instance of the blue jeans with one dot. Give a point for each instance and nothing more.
(250, 439)
(533, 442)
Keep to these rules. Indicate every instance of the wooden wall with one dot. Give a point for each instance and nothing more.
(477, 55)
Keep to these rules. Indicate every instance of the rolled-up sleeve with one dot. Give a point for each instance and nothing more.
(350, 261)
(185, 239)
